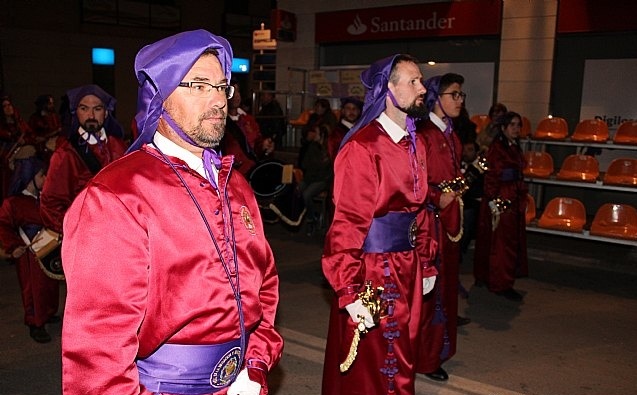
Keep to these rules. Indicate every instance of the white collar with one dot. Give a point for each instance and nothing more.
(347, 123)
(437, 121)
(169, 148)
(240, 112)
(89, 138)
(27, 193)
(393, 130)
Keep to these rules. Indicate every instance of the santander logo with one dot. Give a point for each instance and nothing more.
(357, 27)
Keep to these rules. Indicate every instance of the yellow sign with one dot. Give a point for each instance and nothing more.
(261, 40)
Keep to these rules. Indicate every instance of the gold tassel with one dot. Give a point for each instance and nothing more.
(353, 348)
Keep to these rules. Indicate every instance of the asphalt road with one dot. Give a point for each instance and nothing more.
(574, 334)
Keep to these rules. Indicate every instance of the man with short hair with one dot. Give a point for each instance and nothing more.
(351, 109)
(378, 237)
(444, 151)
(172, 286)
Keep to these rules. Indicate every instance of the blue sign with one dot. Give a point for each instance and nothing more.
(240, 65)
(104, 56)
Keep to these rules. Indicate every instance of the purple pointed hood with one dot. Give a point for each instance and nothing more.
(375, 80)
(161, 66)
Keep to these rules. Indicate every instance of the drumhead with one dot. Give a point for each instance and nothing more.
(266, 179)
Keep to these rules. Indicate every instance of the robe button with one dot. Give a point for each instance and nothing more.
(202, 184)
(217, 212)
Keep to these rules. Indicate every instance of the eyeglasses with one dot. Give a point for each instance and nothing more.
(203, 89)
(455, 95)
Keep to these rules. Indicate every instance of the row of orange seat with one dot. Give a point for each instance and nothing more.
(556, 128)
(585, 168)
(569, 214)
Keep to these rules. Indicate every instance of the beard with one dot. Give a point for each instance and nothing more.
(416, 111)
(91, 126)
(208, 136)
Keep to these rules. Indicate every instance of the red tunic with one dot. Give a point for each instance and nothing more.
(40, 293)
(373, 176)
(67, 176)
(443, 164)
(500, 255)
(142, 271)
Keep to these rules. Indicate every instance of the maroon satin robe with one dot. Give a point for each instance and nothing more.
(500, 255)
(374, 176)
(440, 333)
(142, 271)
(68, 174)
(40, 293)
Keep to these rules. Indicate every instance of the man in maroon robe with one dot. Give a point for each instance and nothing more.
(444, 150)
(87, 147)
(379, 236)
(172, 286)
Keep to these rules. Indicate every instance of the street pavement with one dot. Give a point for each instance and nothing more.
(574, 334)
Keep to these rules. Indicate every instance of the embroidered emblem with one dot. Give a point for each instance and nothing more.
(226, 369)
(413, 228)
(246, 220)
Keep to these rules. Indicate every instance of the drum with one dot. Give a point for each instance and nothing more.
(277, 194)
(266, 180)
(47, 247)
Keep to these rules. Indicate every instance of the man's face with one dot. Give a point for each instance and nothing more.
(451, 106)
(203, 119)
(408, 89)
(91, 113)
(350, 112)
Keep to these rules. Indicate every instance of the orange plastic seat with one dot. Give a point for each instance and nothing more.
(538, 164)
(626, 133)
(530, 209)
(554, 128)
(622, 171)
(579, 168)
(481, 121)
(303, 118)
(615, 220)
(563, 213)
(525, 130)
(591, 130)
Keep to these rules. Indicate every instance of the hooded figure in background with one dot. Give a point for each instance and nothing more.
(169, 242)
(378, 237)
(85, 150)
(20, 223)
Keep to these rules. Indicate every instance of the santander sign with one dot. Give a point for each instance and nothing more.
(481, 17)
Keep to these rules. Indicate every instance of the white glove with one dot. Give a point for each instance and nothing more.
(357, 311)
(428, 284)
(243, 385)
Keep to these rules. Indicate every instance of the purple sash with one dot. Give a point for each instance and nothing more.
(190, 369)
(393, 232)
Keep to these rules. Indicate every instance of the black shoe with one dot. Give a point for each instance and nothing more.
(510, 294)
(462, 321)
(39, 334)
(438, 375)
(54, 319)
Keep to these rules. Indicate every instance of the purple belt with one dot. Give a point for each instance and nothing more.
(393, 232)
(190, 369)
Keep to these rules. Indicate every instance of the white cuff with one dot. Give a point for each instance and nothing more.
(428, 284)
(243, 385)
